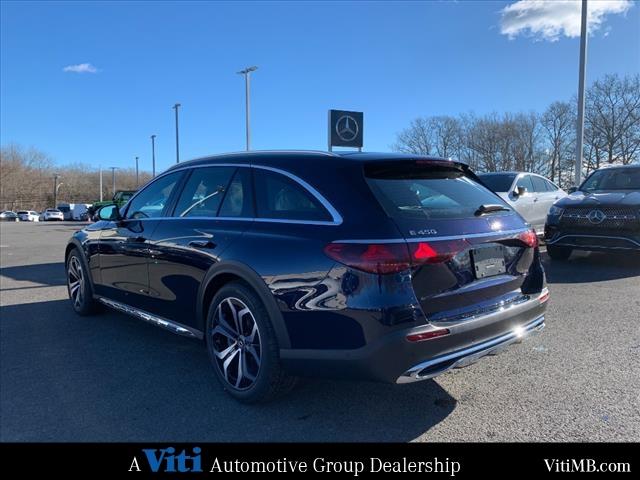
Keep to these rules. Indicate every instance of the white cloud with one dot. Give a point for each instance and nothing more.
(80, 68)
(549, 20)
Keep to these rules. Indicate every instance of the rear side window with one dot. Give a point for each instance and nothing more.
(279, 197)
(238, 201)
(421, 191)
(551, 187)
(203, 192)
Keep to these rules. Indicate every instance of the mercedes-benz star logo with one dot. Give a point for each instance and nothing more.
(596, 216)
(347, 128)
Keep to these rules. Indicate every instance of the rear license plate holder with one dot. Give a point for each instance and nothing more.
(488, 261)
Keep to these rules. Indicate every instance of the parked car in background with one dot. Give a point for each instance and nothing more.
(51, 214)
(530, 194)
(9, 216)
(80, 211)
(65, 208)
(398, 269)
(28, 216)
(603, 214)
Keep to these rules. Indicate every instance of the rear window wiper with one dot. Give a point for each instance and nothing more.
(490, 207)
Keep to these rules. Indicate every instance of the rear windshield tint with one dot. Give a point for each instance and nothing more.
(498, 182)
(422, 191)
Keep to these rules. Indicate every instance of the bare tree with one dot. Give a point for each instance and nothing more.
(559, 128)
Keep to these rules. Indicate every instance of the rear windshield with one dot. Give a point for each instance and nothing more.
(22, 212)
(498, 182)
(421, 191)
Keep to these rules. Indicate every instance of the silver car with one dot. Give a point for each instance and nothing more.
(530, 194)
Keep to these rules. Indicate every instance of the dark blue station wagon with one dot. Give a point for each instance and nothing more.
(384, 267)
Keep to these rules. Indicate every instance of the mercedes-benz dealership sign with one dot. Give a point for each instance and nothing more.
(345, 128)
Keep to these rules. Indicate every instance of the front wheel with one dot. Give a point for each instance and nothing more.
(78, 285)
(558, 253)
(243, 347)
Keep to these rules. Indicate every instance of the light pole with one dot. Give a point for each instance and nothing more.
(113, 179)
(247, 91)
(581, 82)
(153, 155)
(100, 182)
(137, 173)
(55, 189)
(176, 107)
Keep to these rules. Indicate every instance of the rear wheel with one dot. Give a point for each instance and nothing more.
(243, 347)
(559, 253)
(78, 285)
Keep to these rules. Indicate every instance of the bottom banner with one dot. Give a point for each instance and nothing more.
(354, 460)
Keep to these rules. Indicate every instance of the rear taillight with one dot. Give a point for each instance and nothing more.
(380, 258)
(387, 258)
(529, 238)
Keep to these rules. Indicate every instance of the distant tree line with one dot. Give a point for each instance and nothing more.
(26, 180)
(544, 143)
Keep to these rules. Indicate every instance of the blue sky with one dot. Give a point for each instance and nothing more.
(393, 60)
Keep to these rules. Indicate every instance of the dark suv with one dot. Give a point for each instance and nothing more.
(603, 214)
(370, 266)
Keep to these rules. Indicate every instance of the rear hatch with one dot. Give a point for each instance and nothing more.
(470, 251)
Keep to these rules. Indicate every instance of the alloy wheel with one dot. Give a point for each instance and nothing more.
(236, 343)
(76, 281)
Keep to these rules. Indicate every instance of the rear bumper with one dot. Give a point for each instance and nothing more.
(439, 365)
(393, 359)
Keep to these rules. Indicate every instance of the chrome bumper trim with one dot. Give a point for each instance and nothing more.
(461, 358)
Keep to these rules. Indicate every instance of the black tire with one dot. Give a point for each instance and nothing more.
(559, 253)
(255, 345)
(78, 285)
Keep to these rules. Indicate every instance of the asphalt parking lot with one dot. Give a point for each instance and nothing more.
(114, 378)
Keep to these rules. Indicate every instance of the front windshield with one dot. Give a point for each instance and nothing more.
(613, 179)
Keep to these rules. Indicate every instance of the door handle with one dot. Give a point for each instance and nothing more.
(202, 244)
(136, 240)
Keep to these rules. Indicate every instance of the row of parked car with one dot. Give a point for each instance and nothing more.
(50, 214)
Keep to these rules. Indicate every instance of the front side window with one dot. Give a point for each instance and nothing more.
(279, 197)
(151, 202)
(203, 192)
(525, 181)
(539, 183)
(498, 182)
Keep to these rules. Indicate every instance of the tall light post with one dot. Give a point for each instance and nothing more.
(153, 155)
(100, 182)
(55, 189)
(113, 178)
(247, 92)
(581, 81)
(176, 107)
(137, 173)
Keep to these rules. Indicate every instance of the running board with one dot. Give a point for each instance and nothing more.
(173, 327)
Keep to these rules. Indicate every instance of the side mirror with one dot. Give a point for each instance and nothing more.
(110, 213)
(519, 191)
(572, 189)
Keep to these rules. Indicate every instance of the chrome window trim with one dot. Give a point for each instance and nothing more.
(427, 239)
(336, 218)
